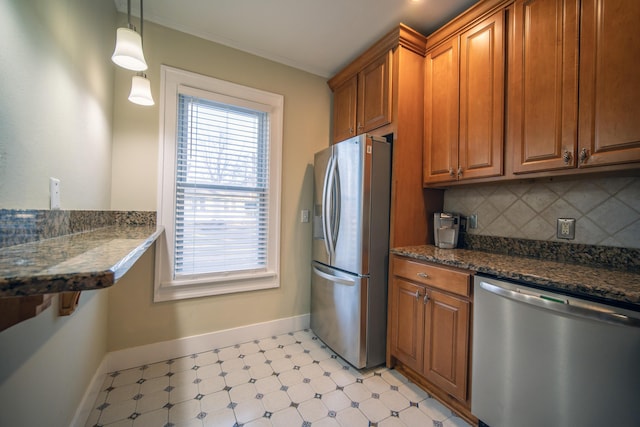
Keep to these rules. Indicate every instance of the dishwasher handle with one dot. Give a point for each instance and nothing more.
(583, 310)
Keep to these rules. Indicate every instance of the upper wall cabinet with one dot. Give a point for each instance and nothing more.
(362, 102)
(609, 107)
(464, 104)
(554, 122)
(345, 98)
(543, 91)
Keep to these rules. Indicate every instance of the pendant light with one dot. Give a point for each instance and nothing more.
(128, 52)
(141, 90)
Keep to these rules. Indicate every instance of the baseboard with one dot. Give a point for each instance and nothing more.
(156, 352)
(151, 353)
(90, 395)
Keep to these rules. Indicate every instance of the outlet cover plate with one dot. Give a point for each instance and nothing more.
(566, 228)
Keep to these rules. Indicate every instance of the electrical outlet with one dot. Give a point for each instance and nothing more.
(566, 228)
(304, 215)
(472, 222)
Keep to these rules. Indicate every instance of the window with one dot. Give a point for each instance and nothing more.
(219, 188)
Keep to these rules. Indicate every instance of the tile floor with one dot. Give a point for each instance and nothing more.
(287, 380)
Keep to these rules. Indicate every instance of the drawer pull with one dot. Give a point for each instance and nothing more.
(423, 275)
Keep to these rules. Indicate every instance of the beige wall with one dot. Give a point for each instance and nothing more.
(56, 107)
(133, 318)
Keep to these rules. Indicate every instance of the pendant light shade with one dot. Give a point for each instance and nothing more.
(141, 90)
(128, 52)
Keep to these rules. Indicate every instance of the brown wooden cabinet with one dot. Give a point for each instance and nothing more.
(543, 87)
(555, 122)
(381, 92)
(374, 94)
(406, 322)
(441, 106)
(609, 106)
(430, 327)
(446, 342)
(464, 104)
(345, 97)
(362, 102)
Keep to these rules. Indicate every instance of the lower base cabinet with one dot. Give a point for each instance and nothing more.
(429, 329)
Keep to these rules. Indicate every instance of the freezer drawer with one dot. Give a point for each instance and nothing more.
(338, 313)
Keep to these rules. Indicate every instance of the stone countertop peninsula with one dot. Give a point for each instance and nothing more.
(618, 286)
(84, 258)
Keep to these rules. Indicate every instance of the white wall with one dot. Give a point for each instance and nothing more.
(133, 318)
(56, 103)
(56, 86)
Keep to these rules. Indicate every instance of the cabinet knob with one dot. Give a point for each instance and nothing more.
(418, 294)
(351, 131)
(423, 275)
(451, 172)
(584, 155)
(459, 171)
(360, 126)
(566, 157)
(426, 298)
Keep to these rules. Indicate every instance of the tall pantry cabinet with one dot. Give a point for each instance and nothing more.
(381, 92)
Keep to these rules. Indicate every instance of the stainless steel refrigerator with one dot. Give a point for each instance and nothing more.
(351, 248)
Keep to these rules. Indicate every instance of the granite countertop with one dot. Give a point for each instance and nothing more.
(88, 260)
(617, 286)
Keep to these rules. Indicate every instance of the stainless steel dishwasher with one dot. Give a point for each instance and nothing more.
(546, 359)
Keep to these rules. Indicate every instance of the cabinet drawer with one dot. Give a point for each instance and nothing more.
(450, 280)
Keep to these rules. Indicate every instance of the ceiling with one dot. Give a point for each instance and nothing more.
(318, 36)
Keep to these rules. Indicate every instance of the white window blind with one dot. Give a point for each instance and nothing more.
(222, 188)
(219, 187)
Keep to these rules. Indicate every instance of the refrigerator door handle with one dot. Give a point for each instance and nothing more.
(334, 279)
(326, 209)
(336, 196)
(329, 206)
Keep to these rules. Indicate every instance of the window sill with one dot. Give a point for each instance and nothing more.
(201, 288)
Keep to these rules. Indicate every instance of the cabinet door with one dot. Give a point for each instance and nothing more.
(406, 322)
(609, 124)
(374, 85)
(441, 113)
(482, 99)
(543, 79)
(446, 349)
(345, 98)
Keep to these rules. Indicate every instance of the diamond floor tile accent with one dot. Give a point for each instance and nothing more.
(287, 380)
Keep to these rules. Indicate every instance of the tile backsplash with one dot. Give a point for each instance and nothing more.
(606, 209)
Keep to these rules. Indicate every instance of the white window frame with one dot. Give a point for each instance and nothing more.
(173, 82)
